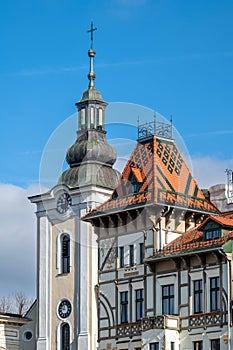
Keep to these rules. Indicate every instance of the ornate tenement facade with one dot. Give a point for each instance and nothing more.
(165, 256)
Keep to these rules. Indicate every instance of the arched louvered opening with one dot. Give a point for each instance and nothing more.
(65, 336)
(65, 254)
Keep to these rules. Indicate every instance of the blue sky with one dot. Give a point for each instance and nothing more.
(175, 57)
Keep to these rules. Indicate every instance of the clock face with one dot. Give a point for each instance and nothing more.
(64, 308)
(63, 203)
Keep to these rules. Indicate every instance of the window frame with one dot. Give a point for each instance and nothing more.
(124, 304)
(139, 303)
(131, 255)
(198, 345)
(169, 299)
(198, 296)
(141, 253)
(215, 344)
(121, 256)
(134, 187)
(212, 234)
(65, 343)
(154, 346)
(215, 294)
(65, 258)
(172, 345)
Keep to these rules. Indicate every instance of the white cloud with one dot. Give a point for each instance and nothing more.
(18, 237)
(209, 171)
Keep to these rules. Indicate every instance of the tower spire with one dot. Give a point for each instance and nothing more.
(91, 107)
(91, 54)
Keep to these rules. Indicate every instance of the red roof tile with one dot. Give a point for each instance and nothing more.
(163, 178)
(190, 246)
(222, 219)
(193, 240)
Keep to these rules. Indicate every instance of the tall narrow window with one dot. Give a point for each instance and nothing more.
(122, 258)
(168, 299)
(154, 346)
(198, 296)
(65, 247)
(124, 306)
(65, 336)
(92, 117)
(141, 253)
(139, 304)
(197, 345)
(215, 344)
(172, 345)
(214, 294)
(82, 118)
(100, 117)
(131, 255)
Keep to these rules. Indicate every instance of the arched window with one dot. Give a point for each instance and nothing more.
(65, 254)
(65, 336)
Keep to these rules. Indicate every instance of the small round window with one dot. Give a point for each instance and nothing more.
(27, 336)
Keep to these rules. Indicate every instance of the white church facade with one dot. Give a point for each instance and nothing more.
(67, 246)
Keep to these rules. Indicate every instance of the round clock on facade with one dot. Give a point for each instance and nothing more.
(63, 203)
(64, 308)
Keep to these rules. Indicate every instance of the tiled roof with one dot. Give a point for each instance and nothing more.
(193, 239)
(188, 247)
(225, 219)
(228, 214)
(163, 178)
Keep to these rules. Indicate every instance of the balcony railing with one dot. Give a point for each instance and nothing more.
(171, 322)
(147, 323)
(129, 329)
(207, 320)
(163, 321)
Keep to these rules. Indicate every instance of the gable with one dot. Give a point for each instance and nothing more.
(210, 225)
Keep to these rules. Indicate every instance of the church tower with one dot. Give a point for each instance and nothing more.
(66, 246)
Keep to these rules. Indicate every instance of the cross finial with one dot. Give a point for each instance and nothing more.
(91, 31)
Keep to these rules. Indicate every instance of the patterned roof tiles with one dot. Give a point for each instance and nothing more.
(162, 177)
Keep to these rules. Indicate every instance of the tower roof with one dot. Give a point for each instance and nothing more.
(156, 173)
(90, 157)
(91, 94)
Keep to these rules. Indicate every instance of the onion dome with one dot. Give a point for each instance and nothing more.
(91, 146)
(90, 174)
(91, 157)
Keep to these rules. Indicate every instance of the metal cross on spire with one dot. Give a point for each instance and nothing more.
(91, 31)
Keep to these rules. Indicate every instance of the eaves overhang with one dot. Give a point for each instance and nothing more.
(154, 259)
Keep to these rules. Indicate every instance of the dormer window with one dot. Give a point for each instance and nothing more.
(212, 230)
(134, 187)
(212, 234)
(136, 180)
